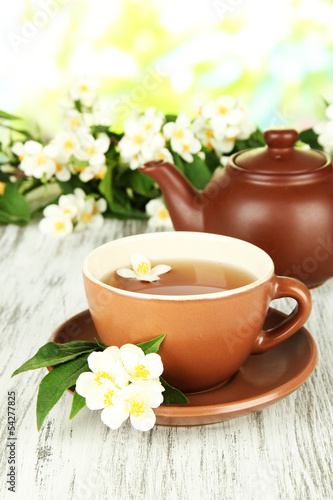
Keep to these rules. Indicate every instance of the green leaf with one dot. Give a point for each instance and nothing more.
(55, 383)
(171, 395)
(52, 354)
(78, 403)
(170, 118)
(102, 346)
(179, 162)
(139, 182)
(7, 116)
(26, 133)
(78, 106)
(13, 207)
(78, 163)
(105, 186)
(197, 172)
(151, 345)
(310, 137)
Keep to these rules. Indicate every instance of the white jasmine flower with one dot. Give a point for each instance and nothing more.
(92, 150)
(182, 139)
(142, 140)
(155, 149)
(19, 150)
(72, 120)
(68, 206)
(108, 389)
(140, 400)
(101, 388)
(219, 123)
(139, 366)
(159, 214)
(84, 90)
(90, 214)
(57, 225)
(324, 129)
(67, 144)
(142, 269)
(93, 172)
(38, 160)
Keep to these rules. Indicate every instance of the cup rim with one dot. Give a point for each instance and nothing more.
(181, 298)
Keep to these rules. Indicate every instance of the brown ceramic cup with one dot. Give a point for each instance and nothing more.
(209, 336)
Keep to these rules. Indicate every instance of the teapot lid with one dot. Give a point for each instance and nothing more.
(280, 156)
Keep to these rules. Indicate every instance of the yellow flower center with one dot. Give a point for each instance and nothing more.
(186, 147)
(79, 169)
(108, 398)
(148, 126)
(2, 188)
(95, 210)
(21, 158)
(59, 226)
(58, 167)
(67, 211)
(210, 133)
(160, 156)
(69, 144)
(74, 123)
(144, 268)
(223, 110)
(163, 213)
(137, 139)
(137, 408)
(141, 371)
(87, 217)
(41, 160)
(100, 375)
(209, 145)
(200, 111)
(232, 139)
(100, 174)
(180, 134)
(84, 88)
(91, 150)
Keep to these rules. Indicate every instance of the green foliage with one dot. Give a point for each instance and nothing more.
(67, 362)
(14, 208)
(310, 137)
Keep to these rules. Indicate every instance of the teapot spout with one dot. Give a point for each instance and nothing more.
(182, 199)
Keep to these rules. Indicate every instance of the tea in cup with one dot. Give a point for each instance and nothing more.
(211, 304)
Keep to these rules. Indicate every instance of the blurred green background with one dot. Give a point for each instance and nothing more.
(172, 54)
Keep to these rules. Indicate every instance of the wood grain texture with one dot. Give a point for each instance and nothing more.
(283, 452)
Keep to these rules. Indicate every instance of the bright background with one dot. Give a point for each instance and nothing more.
(171, 54)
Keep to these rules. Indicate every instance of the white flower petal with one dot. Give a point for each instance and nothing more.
(101, 362)
(160, 269)
(144, 422)
(102, 143)
(154, 206)
(114, 416)
(87, 387)
(153, 364)
(33, 147)
(131, 356)
(126, 273)
(52, 211)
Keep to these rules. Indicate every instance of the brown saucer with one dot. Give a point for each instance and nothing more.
(263, 379)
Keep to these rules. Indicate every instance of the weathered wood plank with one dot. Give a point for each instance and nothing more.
(284, 451)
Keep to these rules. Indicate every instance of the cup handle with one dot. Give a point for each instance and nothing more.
(286, 287)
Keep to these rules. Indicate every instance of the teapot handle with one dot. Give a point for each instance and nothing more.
(286, 287)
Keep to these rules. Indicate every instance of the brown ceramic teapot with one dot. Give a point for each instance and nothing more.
(279, 198)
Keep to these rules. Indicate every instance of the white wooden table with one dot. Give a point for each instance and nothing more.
(284, 451)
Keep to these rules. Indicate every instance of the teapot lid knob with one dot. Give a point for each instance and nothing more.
(280, 138)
